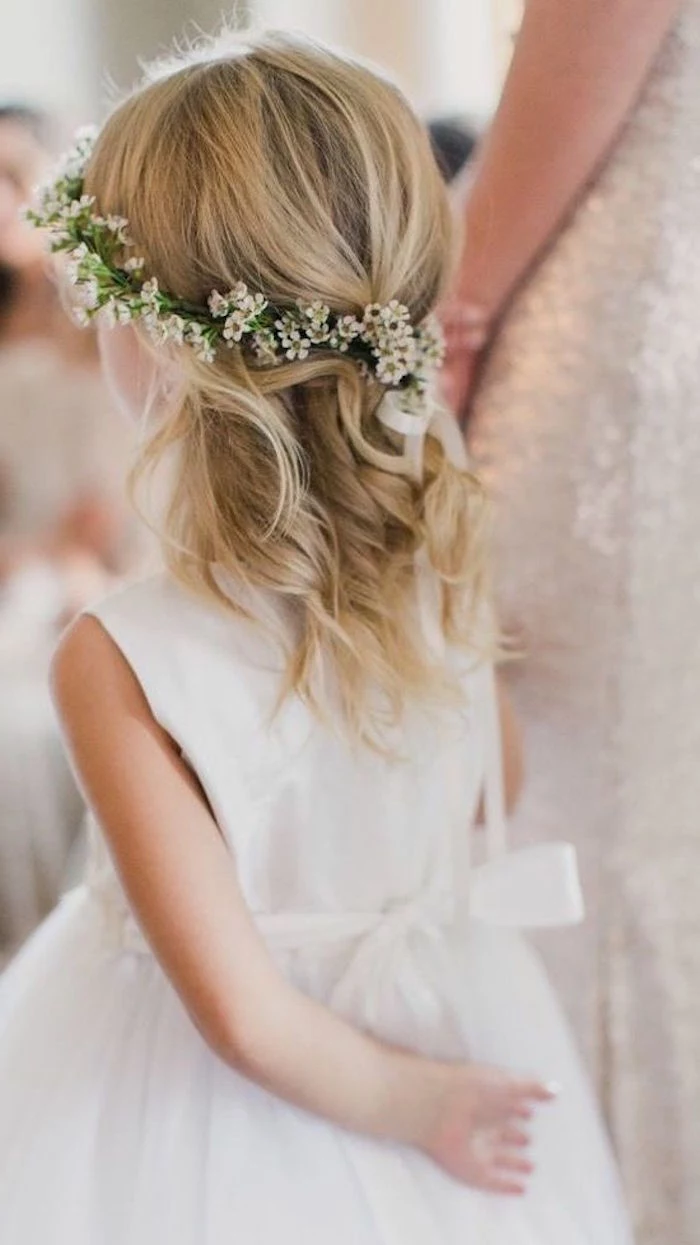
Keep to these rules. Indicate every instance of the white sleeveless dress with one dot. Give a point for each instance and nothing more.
(119, 1126)
(587, 428)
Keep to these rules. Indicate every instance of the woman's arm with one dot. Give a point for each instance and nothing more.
(181, 881)
(576, 73)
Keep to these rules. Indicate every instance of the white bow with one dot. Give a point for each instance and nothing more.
(532, 888)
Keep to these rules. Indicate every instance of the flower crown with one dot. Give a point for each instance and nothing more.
(382, 340)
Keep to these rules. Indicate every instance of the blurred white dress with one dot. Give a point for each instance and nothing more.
(588, 426)
(58, 437)
(119, 1126)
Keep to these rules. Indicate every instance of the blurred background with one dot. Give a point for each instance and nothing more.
(68, 54)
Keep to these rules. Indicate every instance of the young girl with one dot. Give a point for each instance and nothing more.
(269, 1015)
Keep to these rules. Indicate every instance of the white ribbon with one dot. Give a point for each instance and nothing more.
(411, 425)
(533, 888)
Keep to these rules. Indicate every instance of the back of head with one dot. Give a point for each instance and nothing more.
(285, 166)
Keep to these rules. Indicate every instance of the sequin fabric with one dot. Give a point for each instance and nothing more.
(587, 427)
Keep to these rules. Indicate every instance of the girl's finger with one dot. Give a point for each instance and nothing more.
(508, 1161)
(514, 1136)
(506, 1187)
(534, 1091)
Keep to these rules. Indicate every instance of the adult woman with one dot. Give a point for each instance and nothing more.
(585, 422)
(61, 531)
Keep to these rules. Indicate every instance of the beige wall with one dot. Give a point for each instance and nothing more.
(47, 54)
(442, 51)
(73, 54)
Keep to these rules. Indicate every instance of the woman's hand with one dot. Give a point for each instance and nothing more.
(466, 334)
(576, 73)
(479, 1134)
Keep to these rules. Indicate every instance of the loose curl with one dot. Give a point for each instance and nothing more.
(281, 164)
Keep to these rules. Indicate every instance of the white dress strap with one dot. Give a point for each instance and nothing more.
(494, 798)
(532, 887)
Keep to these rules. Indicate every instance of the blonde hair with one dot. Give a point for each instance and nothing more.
(282, 164)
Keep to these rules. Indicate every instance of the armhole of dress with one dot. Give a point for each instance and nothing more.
(102, 613)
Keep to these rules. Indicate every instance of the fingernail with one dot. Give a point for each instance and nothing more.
(554, 1088)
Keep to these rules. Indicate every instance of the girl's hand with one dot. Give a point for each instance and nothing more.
(479, 1134)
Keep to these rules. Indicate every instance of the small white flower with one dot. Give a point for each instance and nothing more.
(78, 206)
(218, 305)
(116, 224)
(150, 291)
(265, 345)
(394, 313)
(194, 334)
(134, 265)
(347, 329)
(239, 293)
(152, 324)
(390, 371)
(88, 292)
(113, 312)
(295, 344)
(235, 326)
(124, 312)
(297, 349)
(316, 315)
(372, 314)
(205, 351)
(80, 316)
(174, 329)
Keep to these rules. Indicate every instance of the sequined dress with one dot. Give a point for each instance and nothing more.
(587, 424)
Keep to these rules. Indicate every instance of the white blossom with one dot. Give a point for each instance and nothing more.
(174, 328)
(391, 370)
(347, 329)
(150, 291)
(235, 326)
(87, 292)
(218, 305)
(265, 345)
(295, 345)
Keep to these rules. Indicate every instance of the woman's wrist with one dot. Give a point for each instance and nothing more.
(470, 323)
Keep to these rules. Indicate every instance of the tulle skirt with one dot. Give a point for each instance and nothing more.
(119, 1126)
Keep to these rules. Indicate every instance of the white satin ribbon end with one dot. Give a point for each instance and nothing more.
(532, 888)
